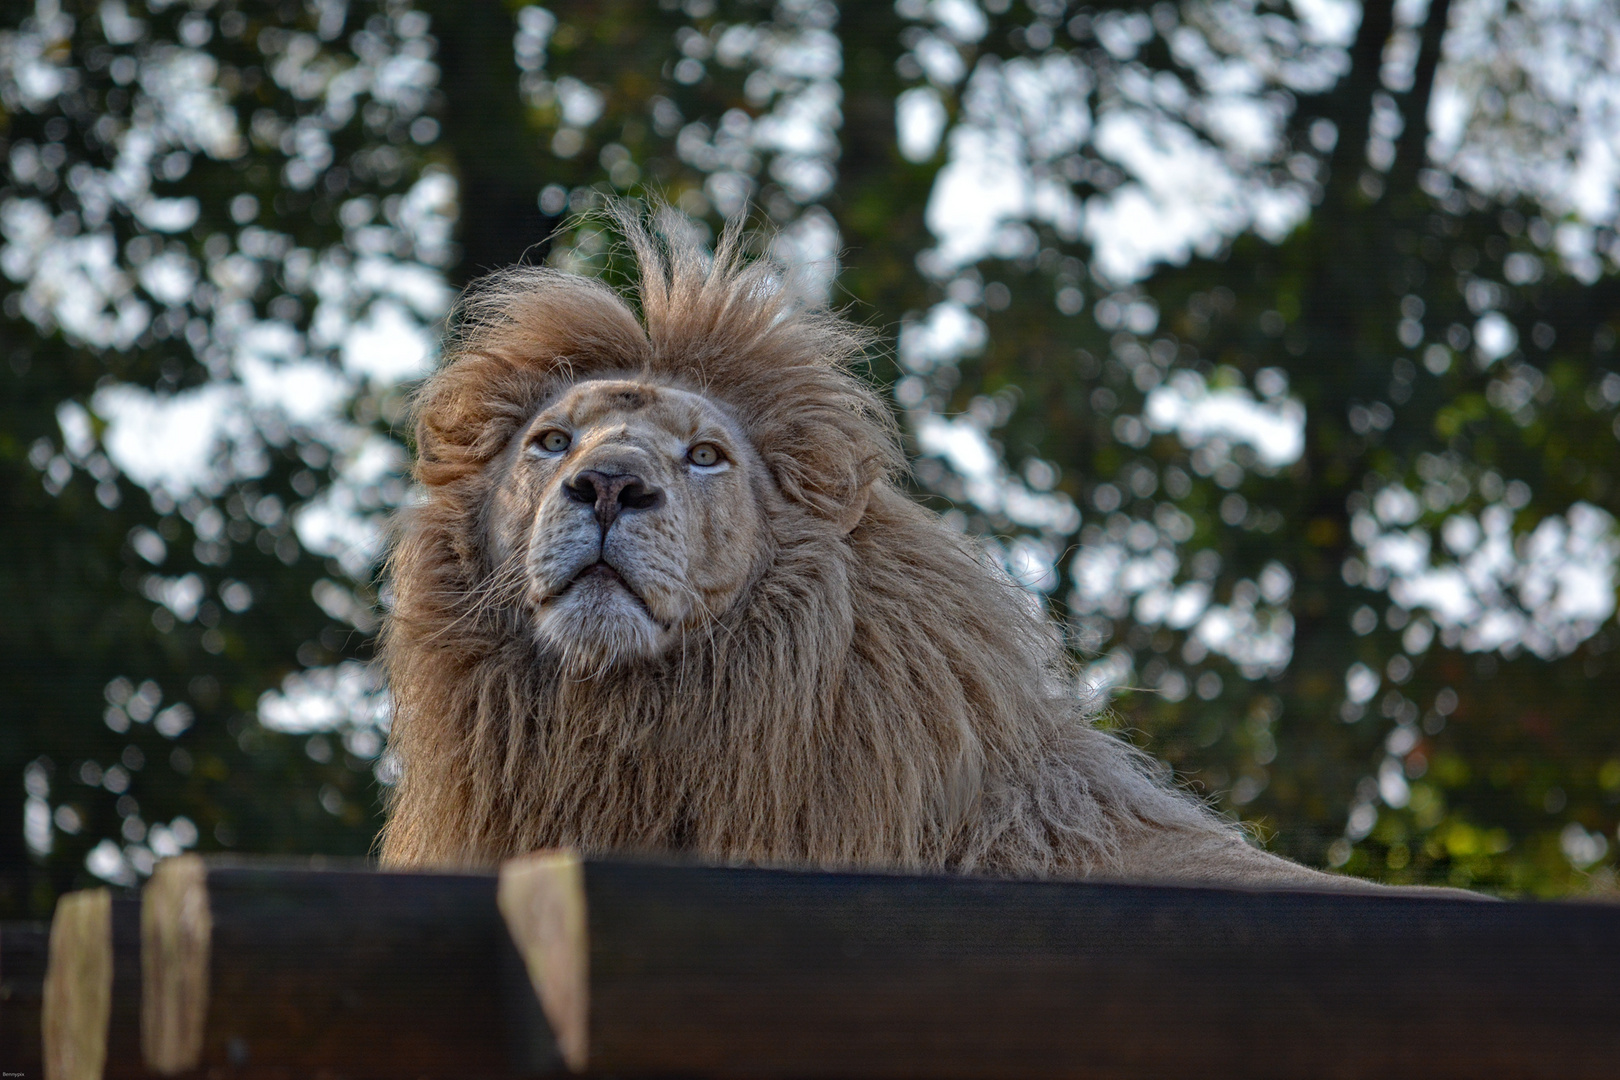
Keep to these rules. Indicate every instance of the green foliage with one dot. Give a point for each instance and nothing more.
(1472, 761)
(144, 626)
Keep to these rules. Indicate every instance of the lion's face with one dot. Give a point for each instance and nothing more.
(634, 512)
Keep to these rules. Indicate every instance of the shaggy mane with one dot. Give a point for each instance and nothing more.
(879, 698)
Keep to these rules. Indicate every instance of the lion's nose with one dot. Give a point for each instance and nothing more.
(611, 493)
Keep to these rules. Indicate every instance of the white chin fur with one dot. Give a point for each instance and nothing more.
(596, 625)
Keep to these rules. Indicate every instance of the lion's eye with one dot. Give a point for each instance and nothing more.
(553, 442)
(704, 454)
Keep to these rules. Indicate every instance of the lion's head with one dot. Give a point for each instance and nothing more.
(638, 514)
(663, 593)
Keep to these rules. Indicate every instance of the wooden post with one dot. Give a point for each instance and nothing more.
(79, 986)
(176, 927)
(542, 899)
(92, 991)
(353, 972)
(668, 970)
(23, 948)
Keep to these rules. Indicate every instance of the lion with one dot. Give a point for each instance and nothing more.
(665, 594)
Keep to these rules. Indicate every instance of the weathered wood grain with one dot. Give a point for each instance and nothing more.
(355, 973)
(78, 986)
(542, 899)
(755, 973)
(92, 991)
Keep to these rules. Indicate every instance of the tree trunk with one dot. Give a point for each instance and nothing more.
(1412, 149)
(499, 163)
(880, 197)
(1349, 103)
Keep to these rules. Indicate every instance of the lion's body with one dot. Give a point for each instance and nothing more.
(873, 695)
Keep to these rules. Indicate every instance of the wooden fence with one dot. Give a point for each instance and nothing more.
(22, 982)
(561, 965)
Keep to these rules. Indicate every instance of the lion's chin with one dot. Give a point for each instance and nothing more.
(597, 624)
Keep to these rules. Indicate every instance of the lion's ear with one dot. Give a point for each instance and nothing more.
(839, 494)
(849, 513)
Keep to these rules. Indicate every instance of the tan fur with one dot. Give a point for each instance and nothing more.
(866, 694)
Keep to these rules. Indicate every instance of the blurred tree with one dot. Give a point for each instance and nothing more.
(1348, 469)
(1300, 410)
(222, 239)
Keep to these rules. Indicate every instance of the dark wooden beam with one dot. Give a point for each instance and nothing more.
(23, 948)
(266, 966)
(660, 970)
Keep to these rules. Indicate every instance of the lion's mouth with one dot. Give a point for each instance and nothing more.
(600, 571)
(605, 574)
